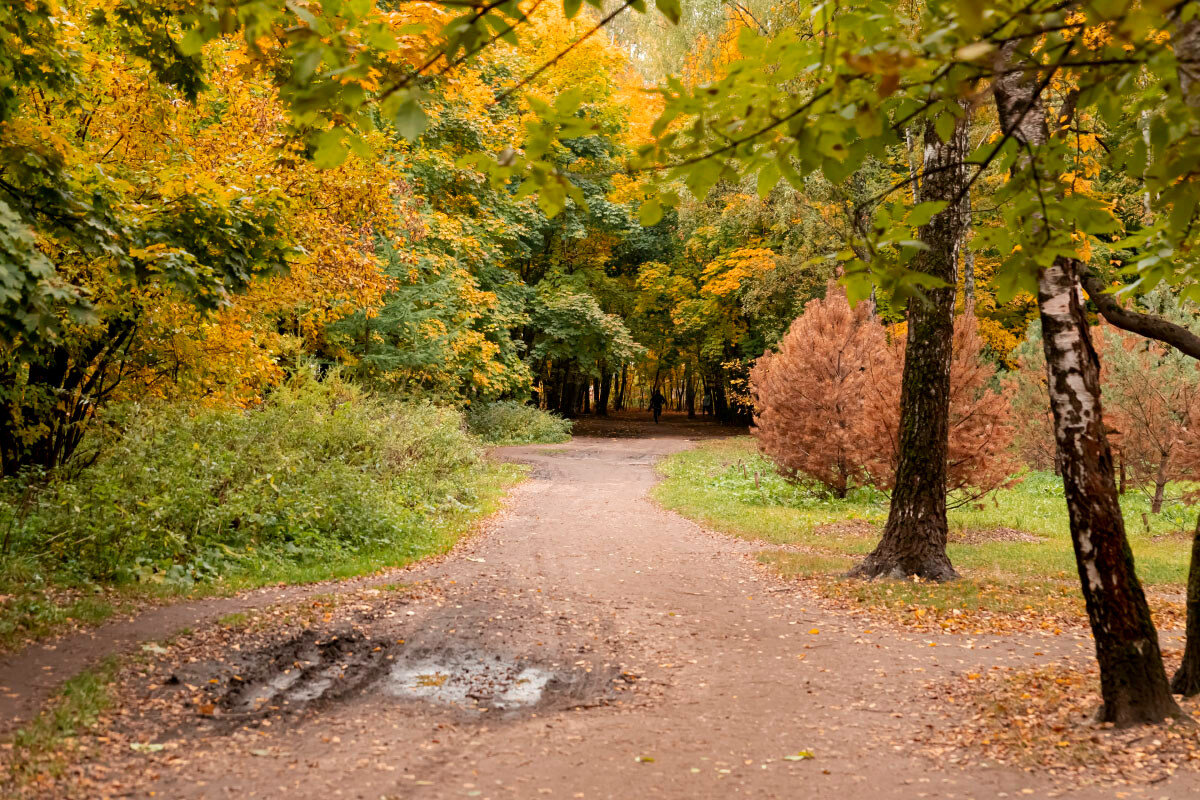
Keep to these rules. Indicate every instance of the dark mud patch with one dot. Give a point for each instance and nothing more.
(313, 670)
(305, 669)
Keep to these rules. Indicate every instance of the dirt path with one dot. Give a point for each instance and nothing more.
(30, 676)
(588, 645)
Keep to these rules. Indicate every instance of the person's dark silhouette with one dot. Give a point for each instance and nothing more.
(656, 404)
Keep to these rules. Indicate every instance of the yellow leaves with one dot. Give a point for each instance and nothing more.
(726, 275)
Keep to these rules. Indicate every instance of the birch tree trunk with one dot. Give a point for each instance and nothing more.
(1133, 682)
(1186, 42)
(914, 539)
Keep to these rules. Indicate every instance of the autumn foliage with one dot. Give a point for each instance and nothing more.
(980, 457)
(810, 394)
(828, 403)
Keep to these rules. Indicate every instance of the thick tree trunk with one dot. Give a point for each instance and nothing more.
(602, 394)
(1186, 42)
(1132, 680)
(1187, 677)
(914, 539)
(1133, 683)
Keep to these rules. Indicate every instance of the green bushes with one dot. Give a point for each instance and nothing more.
(320, 474)
(511, 422)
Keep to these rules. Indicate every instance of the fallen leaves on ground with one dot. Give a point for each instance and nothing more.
(974, 605)
(1041, 719)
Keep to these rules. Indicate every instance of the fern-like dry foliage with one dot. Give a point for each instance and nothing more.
(809, 394)
(980, 457)
(828, 404)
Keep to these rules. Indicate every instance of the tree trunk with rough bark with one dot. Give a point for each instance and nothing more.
(1133, 683)
(1187, 677)
(914, 539)
(1186, 43)
(689, 388)
(603, 393)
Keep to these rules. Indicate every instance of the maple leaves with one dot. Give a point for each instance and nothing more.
(1039, 719)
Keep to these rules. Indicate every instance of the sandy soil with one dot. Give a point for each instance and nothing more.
(588, 644)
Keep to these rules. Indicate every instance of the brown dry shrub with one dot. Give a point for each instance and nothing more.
(980, 458)
(828, 403)
(809, 394)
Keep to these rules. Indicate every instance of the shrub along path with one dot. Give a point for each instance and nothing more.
(589, 644)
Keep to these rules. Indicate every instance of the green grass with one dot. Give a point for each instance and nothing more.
(35, 610)
(42, 746)
(35, 603)
(728, 486)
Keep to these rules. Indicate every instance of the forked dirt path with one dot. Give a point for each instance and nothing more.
(645, 658)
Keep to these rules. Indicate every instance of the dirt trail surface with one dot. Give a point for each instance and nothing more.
(29, 676)
(587, 645)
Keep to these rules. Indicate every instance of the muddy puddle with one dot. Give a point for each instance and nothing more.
(471, 679)
(311, 671)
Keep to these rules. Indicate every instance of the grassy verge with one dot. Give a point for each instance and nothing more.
(322, 482)
(42, 749)
(513, 423)
(1013, 550)
(35, 604)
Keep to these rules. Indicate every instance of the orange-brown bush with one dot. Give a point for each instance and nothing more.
(1151, 405)
(980, 458)
(809, 395)
(828, 403)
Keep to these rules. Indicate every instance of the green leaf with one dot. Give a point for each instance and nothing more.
(192, 42)
(945, 125)
(921, 213)
(571, 8)
(670, 9)
(331, 148)
(768, 176)
(410, 119)
(650, 212)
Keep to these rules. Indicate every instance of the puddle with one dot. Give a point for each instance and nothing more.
(470, 680)
(312, 670)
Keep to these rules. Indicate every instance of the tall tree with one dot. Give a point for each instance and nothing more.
(1133, 682)
(914, 538)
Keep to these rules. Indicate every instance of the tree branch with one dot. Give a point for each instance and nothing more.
(1147, 325)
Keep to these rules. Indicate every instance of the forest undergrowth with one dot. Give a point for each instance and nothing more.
(323, 481)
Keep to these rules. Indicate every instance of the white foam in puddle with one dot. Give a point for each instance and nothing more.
(469, 681)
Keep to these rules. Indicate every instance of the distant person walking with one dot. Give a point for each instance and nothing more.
(707, 404)
(656, 404)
